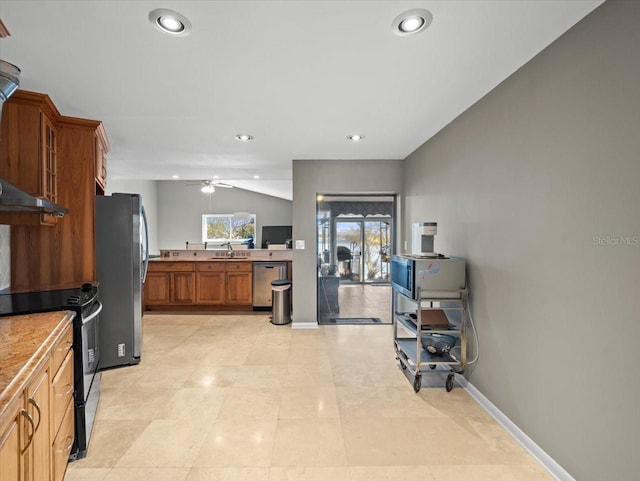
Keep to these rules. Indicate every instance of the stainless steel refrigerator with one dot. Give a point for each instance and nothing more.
(122, 257)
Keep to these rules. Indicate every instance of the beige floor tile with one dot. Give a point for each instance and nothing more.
(166, 444)
(251, 403)
(137, 474)
(104, 451)
(309, 442)
(261, 356)
(268, 376)
(309, 402)
(308, 375)
(85, 474)
(238, 443)
(529, 472)
(203, 403)
(310, 473)
(396, 442)
(391, 473)
(133, 403)
(228, 474)
(208, 377)
(383, 402)
(234, 398)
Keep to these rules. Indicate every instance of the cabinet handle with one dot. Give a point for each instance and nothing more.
(67, 392)
(35, 405)
(33, 430)
(68, 446)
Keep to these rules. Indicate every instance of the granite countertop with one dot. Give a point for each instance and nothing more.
(24, 343)
(204, 259)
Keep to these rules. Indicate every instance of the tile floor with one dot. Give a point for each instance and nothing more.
(365, 300)
(234, 398)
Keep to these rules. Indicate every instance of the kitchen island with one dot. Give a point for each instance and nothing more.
(205, 280)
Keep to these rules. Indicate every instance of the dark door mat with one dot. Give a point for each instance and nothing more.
(351, 320)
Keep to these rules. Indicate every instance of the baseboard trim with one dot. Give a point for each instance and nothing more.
(550, 464)
(304, 325)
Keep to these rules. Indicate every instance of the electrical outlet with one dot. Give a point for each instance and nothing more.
(120, 350)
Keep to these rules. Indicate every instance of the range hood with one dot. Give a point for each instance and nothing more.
(13, 199)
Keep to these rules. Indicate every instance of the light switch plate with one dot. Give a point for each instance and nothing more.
(300, 244)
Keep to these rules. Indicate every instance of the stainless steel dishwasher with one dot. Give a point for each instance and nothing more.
(263, 274)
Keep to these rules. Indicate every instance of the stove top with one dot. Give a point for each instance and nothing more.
(46, 301)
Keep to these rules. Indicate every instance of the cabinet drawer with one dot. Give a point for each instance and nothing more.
(210, 266)
(239, 266)
(62, 390)
(61, 351)
(62, 444)
(171, 266)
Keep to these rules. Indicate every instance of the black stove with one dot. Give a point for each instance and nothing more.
(85, 303)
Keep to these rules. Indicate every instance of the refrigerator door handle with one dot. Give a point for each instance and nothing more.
(146, 245)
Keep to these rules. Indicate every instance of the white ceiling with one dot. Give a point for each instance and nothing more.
(297, 75)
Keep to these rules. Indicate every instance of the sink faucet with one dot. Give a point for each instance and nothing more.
(229, 249)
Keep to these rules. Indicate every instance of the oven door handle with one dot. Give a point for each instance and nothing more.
(93, 314)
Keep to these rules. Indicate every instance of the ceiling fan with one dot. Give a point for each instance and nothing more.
(209, 186)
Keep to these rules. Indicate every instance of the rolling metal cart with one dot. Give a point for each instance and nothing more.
(429, 333)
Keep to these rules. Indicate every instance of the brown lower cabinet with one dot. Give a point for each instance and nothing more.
(30, 437)
(198, 285)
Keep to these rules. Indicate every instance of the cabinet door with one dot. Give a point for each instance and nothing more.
(11, 466)
(49, 167)
(100, 166)
(238, 288)
(39, 453)
(210, 287)
(183, 287)
(157, 288)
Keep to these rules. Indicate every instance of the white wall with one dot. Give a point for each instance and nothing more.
(148, 190)
(181, 206)
(535, 185)
(312, 177)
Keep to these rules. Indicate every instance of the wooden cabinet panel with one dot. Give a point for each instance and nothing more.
(210, 266)
(238, 288)
(210, 287)
(11, 461)
(239, 266)
(60, 352)
(61, 446)
(171, 267)
(157, 287)
(62, 390)
(62, 256)
(38, 405)
(28, 152)
(183, 287)
(101, 150)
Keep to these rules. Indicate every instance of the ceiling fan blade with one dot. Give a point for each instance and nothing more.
(223, 185)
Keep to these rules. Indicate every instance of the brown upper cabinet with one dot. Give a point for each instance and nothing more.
(29, 151)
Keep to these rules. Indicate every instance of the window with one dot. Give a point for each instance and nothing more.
(234, 228)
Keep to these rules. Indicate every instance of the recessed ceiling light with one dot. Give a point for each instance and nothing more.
(175, 176)
(355, 137)
(244, 137)
(256, 176)
(170, 21)
(207, 189)
(412, 22)
(216, 176)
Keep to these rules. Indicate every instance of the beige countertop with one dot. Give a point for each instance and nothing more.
(24, 344)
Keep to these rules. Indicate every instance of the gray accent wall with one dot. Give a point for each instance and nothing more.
(181, 206)
(538, 187)
(313, 177)
(149, 192)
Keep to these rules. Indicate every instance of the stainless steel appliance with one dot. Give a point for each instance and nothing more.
(122, 259)
(86, 305)
(410, 273)
(263, 274)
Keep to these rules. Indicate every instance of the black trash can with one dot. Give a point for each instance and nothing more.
(281, 302)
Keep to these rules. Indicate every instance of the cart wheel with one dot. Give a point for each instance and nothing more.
(417, 383)
(432, 366)
(449, 383)
(402, 364)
